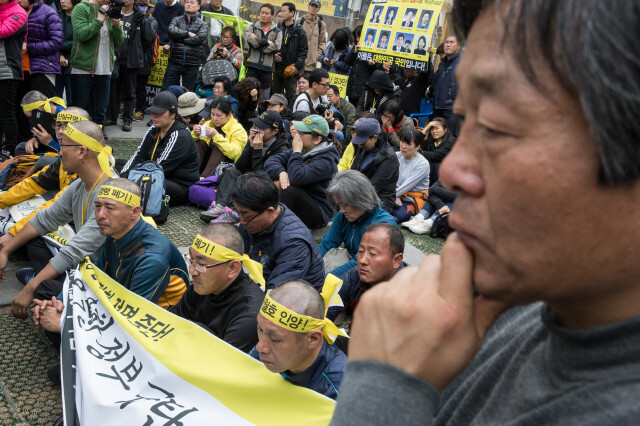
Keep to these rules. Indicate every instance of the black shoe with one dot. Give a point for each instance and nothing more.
(53, 373)
(109, 122)
(104, 133)
(150, 123)
(126, 125)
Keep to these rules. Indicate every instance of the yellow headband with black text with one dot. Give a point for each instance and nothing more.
(286, 318)
(45, 104)
(118, 194)
(217, 252)
(69, 117)
(104, 156)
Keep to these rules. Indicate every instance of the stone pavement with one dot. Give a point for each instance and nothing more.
(137, 132)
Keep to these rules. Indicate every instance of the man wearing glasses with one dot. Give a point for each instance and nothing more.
(222, 296)
(273, 235)
(315, 94)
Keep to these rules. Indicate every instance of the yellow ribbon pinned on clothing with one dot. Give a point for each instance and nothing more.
(120, 195)
(293, 321)
(104, 156)
(47, 107)
(223, 254)
(69, 117)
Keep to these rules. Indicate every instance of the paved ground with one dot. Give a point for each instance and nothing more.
(138, 131)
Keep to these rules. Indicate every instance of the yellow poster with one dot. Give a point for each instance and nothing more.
(337, 8)
(340, 81)
(399, 32)
(157, 71)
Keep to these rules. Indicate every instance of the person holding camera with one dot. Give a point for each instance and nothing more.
(96, 30)
(315, 95)
(188, 33)
(227, 49)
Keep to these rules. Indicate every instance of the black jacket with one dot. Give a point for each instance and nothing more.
(177, 153)
(230, 315)
(252, 160)
(436, 154)
(367, 100)
(141, 38)
(186, 50)
(359, 74)
(410, 99)
(382, 171)
(164, 14)
(444, 84)
(294, 47)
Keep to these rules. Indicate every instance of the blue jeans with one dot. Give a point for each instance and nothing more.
(97, 86)
(429, 210)
(172, 74)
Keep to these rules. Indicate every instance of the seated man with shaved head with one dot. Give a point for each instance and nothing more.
(83, 152)
(303, 354)
(222, 296)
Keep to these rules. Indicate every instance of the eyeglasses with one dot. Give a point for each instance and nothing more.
(246, 222)
(199, 266)
(324, 84)
(60, 125)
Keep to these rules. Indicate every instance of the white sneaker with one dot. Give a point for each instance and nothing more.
(420, 228)
(413, 221)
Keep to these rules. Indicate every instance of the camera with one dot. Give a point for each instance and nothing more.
(322, 107)
(115, 9)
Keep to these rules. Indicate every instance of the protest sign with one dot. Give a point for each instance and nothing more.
(126, 361)
(157, 71)
(340, 81)
(337, 8)
(399, 32)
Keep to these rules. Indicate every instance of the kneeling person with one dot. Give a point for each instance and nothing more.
(300, 353)
(222, 296)
(135, 254)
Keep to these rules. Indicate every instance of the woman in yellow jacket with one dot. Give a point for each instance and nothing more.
(221, 138)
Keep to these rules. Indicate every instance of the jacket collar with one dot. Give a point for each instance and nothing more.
(130, 236)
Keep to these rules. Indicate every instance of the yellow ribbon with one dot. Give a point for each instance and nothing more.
(104, 156)
(69, 117)
(47, 107)
(117, 194)
(223, 254)
(293, 321)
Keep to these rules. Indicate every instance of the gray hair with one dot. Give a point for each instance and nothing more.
(300, 297)
(33, 96)
(575, 40)
(224, 234)
(354, 189)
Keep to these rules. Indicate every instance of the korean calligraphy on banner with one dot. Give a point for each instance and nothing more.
(127, 361)
(340, 81)
(337, 8)
(399, 32)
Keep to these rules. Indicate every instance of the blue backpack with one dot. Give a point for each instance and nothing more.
(150, 178)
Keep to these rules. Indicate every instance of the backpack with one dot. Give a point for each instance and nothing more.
(440, 227)
(150, 178)
(320, 22)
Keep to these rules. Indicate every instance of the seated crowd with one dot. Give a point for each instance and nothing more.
(286, 154)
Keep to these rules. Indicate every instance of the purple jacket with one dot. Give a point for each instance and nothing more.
(44, 40)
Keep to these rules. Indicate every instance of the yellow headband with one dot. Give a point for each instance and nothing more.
(104, 156)
(293, 321)
(45, 104)
(69, 117)
(118, 194)
(223, 254)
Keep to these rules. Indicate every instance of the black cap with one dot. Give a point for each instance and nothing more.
(164, 101)
(268, 119)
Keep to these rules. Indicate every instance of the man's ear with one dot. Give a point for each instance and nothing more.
(136, 212)
(314, 339)
(235, 266)
(397, 260)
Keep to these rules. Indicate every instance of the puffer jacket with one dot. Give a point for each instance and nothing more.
(316, 31)
(13, 27)
(323, 376)
(186, 50)
(44, 40)
(382, 171)
(311, 171)
(262, 57)
(294, 47)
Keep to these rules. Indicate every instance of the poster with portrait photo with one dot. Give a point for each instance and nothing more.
(421, 45)
(425, 19)
(403, 42)
(369, 39)
(383, 41)
(409, 17)
(390, 16)
(376, 16)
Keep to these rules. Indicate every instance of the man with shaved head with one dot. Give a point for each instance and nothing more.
(530, 316)
(286, 345)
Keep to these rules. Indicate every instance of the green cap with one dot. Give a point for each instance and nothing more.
(312, 124)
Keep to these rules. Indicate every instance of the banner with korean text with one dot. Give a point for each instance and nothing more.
(399, 32)
(126, 361)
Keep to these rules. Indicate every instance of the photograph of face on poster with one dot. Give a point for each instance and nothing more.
(383, 42)
(390, 17)
(421, 46)
(377, 12)
(425, 19)
(409, 18)
(403, 42)
(369, 39)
